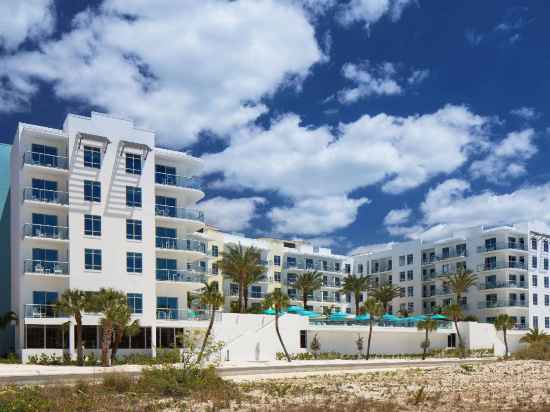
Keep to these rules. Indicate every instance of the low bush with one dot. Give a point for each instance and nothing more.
(534, 351)
(117, 382)
(10, 358)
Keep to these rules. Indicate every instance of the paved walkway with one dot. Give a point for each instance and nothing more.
(39, 374)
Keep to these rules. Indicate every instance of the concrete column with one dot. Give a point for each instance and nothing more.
(153, 341)
(72, 343)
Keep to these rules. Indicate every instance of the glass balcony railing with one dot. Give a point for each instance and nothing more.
(170, 275)
(178, 181)
(46, 267)
(45, 231)
(43, 311)
(46, 196)
(185, 314)
(501, 246)
(180, 244)
(452, 253)
(179, 212)
(46, 160)
(503, 285)
(502, 304)
(502, 265)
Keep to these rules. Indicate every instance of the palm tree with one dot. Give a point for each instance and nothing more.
(210, 296)
(308, 282)
(535, 336)
(427, 325)
(454, 312)
(74, 302)
(279, 301)
(355, 285)
(251, 278)
(375, 310)
(504, 322)
(461, 281)
(385, 294)
(239, 264)
(122, 326)
(7, 318)
(108, 301)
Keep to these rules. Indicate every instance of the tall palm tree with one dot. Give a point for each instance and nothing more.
(238, 263)
(74, 302)
(535, 336)
(211, 297)
(504, 322)
(278, 301)
(461, 281)
(122, 326)
(108, 302)
(385, 294)
(454, 312)
(251, 278)
(7, 318)
(308, 282)
(355, 285)
(427, 325)
(375, 310)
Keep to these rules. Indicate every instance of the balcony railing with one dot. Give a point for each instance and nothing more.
(185, 314)
(46, 267)
(46, 196)
(438, 292)
(45, 231)
(429, 260)
(502, 265)
(180, 244)
(47, 160)
(179, 212)
(43, 311)
(503, 285)
(453, 253)
(501, 246)
(502, 304)
(178, 181)
(170, 275)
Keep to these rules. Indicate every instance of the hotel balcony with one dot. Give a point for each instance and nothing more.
(501, 265)
(180, 276)
(192, 248)
(191, 219)
(44, 267)
(439, 292)
(185, 314)
(502, 246)
(316, 266)
(503, 304)
(189, 188)
(43, 162)
(453, 254)
(42, 311)
(45, 232)
(503, 285)
(46, 198)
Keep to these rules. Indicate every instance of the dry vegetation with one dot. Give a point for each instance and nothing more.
(499, 386)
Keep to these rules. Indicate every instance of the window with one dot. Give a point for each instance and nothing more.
(410, 307)
(546, 322)
(135, 302)
(133, 229)
(402, 260)
(410, 291)
(545, 245)
(303, 339)
(535, 299)
(291, 278)
(410, 259)
(92, 157)
(134, 262)
(360, 268)
(214, 268)
(92, 191)
(44, 298)
(277, 276)
(545, 264)
(534, 281)
(337, 266)
(291, 262)
(347, 268)
(234, 289)
(44, 155)
(215, 251)
(133, 163)
(533, 261)
(92, 259)
(165, 175)
(256, 292)
(289, 245)
(133, 196)
(546, 282)
(277, 260)
(535, 322)
(546, 300)
(410, 275)
(402, 292)
(44, 261)
(46, 226)
(402, 276)
(45, 191)
(92, 225)
(534, 244)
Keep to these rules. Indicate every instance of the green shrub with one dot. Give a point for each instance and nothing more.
(10, 358)
(117, 382)
(535, 351)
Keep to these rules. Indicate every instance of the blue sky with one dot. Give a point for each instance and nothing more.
(349, 123)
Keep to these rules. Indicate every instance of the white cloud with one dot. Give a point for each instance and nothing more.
(507, 159)
(369, 80)
(397, 216)
(525, 113)
(230, 214)
(369, 12)
(176, 67)
(22, 20)
(473, 38)
(314, 216)
(359, 250)
(316, 7)
(418, 76)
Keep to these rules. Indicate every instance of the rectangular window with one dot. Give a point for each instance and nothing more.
(133, 229)
(545, 263)
(545, 245)
(135, 302)
(546, 300)
(360, 268)
(534, 244)
(402, 276)
(347, 268)
(92, 157)
(535, 299)
(165, 175)
(134, 262)
(214, 268)
(410, 275)
(402, 260)
(256, 292)
(337, 266)
(533, 261)
(277, 260)
(410, 259)
(291, 278)
(92, 259)
(133, 163)
(92, 225)
(291, 262)
(410, 307)
(402, 292)
(546, 282)
(535, 322)
(534, 281)
(303, 339)
(546, 322)
(277, 276)
(410, 291)
(92, 191)
(215, 251)
(44, 155)
(133, 196)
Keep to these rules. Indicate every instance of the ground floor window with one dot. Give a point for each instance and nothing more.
(303, 339)
(168, 337)
(46, 337)
(451, 340)
(91, 338)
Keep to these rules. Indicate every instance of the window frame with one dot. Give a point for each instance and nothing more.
(134, 262)
(94, 189)
(130, 165)
(134, 224)
(134, 196)
(92, 220)
(96, 263)
(94, 162)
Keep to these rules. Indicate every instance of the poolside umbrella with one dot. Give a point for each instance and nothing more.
(440, 317)
(390, 318)
(269, 311)
(364, 317)
(338, 316)
(295, 309)
(310, 314)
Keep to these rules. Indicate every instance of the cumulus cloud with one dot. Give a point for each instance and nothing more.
(369, 12)
(525, 113)
(378, 247)
(178, 68)
(418, 76)
(25, 20)
(231, 214)
(397, 216)
(507, 159)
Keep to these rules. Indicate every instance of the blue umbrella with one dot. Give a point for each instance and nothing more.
(440, 317)
(390, 318)
(338, 316)
(269, 311)
(310, 314)
(366, 316)
(295, 309)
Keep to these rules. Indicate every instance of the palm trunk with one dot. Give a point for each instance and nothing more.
(459, 336)
(505, 344)
(245, 296)
(280, 338)
(425, 346)
(370, 337)
(304, 298)
(117, 340)
(241, 295)
(357, 303)
(210, 325)
(79, 349)
(105, 344)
